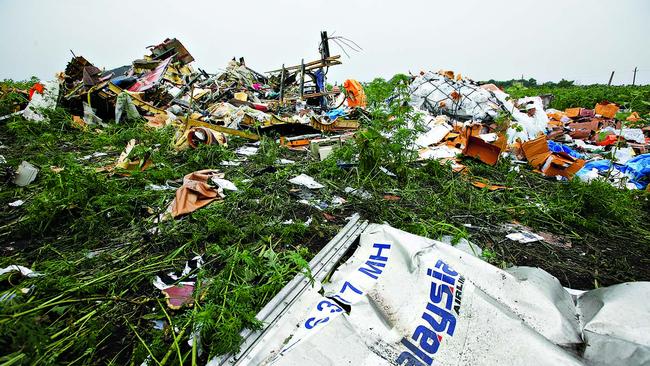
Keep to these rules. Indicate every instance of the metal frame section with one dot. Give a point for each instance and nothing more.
(322, 265)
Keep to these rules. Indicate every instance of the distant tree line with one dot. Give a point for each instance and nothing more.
(530, 83)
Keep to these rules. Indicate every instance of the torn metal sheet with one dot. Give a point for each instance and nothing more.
(150, 79)
(615, 324)
(172, 47)
(402, 299)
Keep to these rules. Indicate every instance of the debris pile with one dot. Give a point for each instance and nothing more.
(483, 122)
(164, 88)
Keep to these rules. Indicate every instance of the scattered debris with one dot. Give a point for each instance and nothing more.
(179, 288)
(292, 112)
(224, 183)
(25, 174)
(247, 150)
(195, 192)
(16, 203)
(490, 187)
(17, 268)
(363, 194)
(524, 237)
(307, 181)
(395, 269)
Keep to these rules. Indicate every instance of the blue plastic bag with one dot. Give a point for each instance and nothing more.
(602, 165)
(336, 113)
(638, 168)
(555, 147)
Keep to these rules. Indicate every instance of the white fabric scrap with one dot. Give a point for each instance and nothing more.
(225, 184)
(23, 270)
(247, 150)
(358, 192)
(439, 152)
(307, 181)
(524, 237)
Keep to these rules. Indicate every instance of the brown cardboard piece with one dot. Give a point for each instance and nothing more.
(550, 164)
(582, 130)
(606, 109)
(572, 112)
(481, 150)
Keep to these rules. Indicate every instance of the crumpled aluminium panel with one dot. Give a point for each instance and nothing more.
(402, 299)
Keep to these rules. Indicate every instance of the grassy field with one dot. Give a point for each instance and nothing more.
(89, 233)
(636, 98)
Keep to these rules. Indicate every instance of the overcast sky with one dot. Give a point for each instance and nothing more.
(503, 39)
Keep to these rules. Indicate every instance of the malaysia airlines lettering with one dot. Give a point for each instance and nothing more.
(438, 318)
(372, 268)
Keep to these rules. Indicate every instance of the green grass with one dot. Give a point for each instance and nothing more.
(636, 98)
(88, 233)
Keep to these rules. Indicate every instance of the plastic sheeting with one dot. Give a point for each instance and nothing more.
(124, 107)
(637, 169)
(42, 102)
(438, 94)
(556, 147)
(463, 100)
(526, 127)
(402, 299)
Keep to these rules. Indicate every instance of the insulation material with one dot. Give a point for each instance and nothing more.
(402, 299)
(479, 149)
(606, 109)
